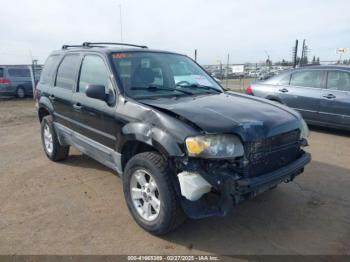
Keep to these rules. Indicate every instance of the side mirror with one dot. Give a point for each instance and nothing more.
(96, 92)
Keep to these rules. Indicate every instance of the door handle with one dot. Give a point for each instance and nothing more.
(329, 96)
(52, 97)
(77, 106)
(283, 90)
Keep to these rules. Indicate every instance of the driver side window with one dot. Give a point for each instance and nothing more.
(93, 72)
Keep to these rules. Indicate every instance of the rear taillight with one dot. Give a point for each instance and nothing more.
(249, 90)
(4, 81)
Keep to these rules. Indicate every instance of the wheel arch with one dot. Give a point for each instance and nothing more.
(274, 98)
(45, 108)
(141, 137)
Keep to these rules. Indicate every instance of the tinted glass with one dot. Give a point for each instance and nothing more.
(338, 80)
(67, 71)
(1, 72)
(306, 78)
(147, 74)
(93, 71)
(49, 69)
(19, 72)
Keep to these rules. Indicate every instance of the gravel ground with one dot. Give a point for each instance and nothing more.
(77, 206)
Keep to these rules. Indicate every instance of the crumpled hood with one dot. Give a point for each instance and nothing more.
(251, 118)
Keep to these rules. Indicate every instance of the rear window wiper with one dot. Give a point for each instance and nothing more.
(196, 86)
(156, 88)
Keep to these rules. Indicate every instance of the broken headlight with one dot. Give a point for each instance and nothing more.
(214, 146)
(304, 130)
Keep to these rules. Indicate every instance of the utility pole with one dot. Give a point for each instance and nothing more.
(31, 69)
(227, 65)
(195, 55)
(302, 54)
(295, 54)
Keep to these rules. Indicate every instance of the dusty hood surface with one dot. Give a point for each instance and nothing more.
(250, 117)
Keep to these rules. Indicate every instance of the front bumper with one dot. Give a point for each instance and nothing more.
(286, 173)
(231, 189)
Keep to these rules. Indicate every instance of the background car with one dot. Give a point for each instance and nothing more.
(15, 81)
(320, 93)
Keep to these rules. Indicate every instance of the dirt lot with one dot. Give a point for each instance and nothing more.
(77, 206)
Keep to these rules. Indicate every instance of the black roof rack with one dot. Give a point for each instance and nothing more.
(96, 44)
(67, 46)
(87, 44)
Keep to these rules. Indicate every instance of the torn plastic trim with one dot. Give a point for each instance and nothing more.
(217, 201)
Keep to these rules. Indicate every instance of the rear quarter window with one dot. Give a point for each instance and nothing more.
(48, 71)
(282, 79)
(1, 72)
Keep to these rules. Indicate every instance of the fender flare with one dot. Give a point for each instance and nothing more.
(153, 136)
(45, 103)
(274, 98)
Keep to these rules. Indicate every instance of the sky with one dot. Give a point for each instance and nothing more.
(247, 30)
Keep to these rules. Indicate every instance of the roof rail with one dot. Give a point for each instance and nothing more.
(87, 44)
(67, 46)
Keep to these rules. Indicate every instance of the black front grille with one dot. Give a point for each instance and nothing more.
(271, 153)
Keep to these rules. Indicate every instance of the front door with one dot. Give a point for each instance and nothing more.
(91, 114)
(335, 101)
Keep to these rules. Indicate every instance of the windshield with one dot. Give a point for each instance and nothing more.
(152, 74)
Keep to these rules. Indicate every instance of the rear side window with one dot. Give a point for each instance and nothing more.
(19, 72)
(311, 78)
(1, 72)
(66, 72)
(338, 80)
(49, 69)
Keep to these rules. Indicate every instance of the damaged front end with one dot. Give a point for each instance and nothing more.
(211, 187)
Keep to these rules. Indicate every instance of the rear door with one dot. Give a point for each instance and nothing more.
(303, 92)
(335, 103)
(62, 92)
(94, 118)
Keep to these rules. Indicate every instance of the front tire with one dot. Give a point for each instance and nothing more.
(150, 194)
(52, 147)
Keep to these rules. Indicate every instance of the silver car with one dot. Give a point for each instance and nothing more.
(320, 93)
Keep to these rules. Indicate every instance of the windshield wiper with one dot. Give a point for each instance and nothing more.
(156, 88)
(196, 86)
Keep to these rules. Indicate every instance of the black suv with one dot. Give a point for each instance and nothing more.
(183, 146)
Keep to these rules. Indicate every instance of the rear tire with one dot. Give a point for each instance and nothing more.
(170, 214)
(20, 92)
(52, 147)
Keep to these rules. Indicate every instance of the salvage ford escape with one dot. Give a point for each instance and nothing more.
(182, 145)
